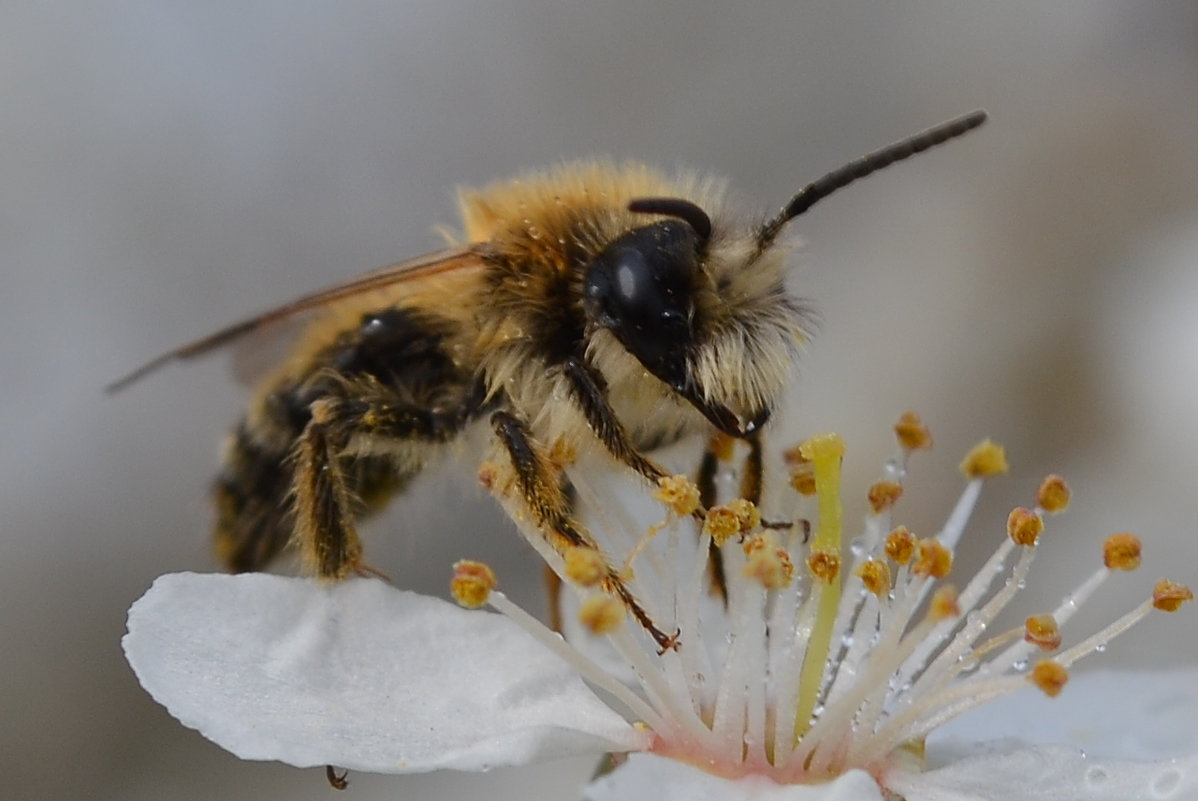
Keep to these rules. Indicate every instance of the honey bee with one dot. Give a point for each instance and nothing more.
(594, 305)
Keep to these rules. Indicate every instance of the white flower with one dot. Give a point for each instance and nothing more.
(811, 684)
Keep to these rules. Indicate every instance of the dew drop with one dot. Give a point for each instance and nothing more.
(857, 547)
(1101, 647)
(847, 640)
(1019, 666)
(1022, 585)
(895, 469)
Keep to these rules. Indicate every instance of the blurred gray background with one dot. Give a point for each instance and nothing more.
(170, 167)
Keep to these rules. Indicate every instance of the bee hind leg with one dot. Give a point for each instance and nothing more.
(332, 488)
(539, 487)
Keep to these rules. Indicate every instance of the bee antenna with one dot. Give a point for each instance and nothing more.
(816, 191)
(684, 210)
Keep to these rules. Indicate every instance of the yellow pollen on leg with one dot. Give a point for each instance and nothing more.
(912, 434)
(1053, 495)
(883, 495)
(985, 460)
(1043, 632)
(1121, 552)
(1168, 596)
(1050, 677)
(679, 493)
(1024, 526)
(601, 614)
(472, 583)
(584, 566)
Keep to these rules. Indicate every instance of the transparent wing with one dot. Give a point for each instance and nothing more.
(280, 319)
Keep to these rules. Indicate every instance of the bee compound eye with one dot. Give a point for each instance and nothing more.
(639, 288)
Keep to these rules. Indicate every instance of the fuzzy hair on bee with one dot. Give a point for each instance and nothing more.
(592, 307)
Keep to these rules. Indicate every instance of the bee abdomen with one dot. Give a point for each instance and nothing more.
(252, 496)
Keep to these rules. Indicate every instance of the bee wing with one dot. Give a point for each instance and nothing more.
(280, 319)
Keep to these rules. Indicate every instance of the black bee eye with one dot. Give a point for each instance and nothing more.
(639, 287)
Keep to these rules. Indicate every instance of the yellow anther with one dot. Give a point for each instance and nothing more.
(1053, 495)
(679, 493)
(912, 434)
(584, 566)
(768, 564)
(944, 604)
(883, 495)
(488, 472)
(747, 513)
(721, 524)
(824, 565)
(794, 456)
(1168, 596)
(875, 575)
(1121, 552)
(932, 559)
(900, 545)
(1024, 526)
(601, 614)
(472, 583)
(1042, 631)
(985, 460)
(802, 479)
(1050, 677)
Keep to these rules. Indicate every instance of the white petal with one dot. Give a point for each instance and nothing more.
(359, 675)
(1050, 774)
(1125, 715)
(646, 777)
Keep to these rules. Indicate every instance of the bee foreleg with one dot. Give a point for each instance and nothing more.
(590, 393)
(539, 486)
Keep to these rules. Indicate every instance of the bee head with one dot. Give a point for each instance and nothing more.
(652, 288)
(705, 309)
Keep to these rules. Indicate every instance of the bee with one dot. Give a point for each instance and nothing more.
(593, 306)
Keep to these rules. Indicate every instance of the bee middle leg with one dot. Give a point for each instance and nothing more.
(540, 488)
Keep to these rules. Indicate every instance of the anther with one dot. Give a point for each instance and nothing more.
(985, 460)
(1024, 526)
(933, 559)
(900, 545)
(944, 604)
(768, 564)
(1042, 631)
(1121, 552)
(1168, 596)
(912, 434)
(584, 566)
(1053, 495)
(601, 614)
(679, 493)
(824, 565)
(721, 524)
(1050, 677)
(875, 575)
(883, 495)
(472, 583)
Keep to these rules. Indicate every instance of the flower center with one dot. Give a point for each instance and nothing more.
(801, 675)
